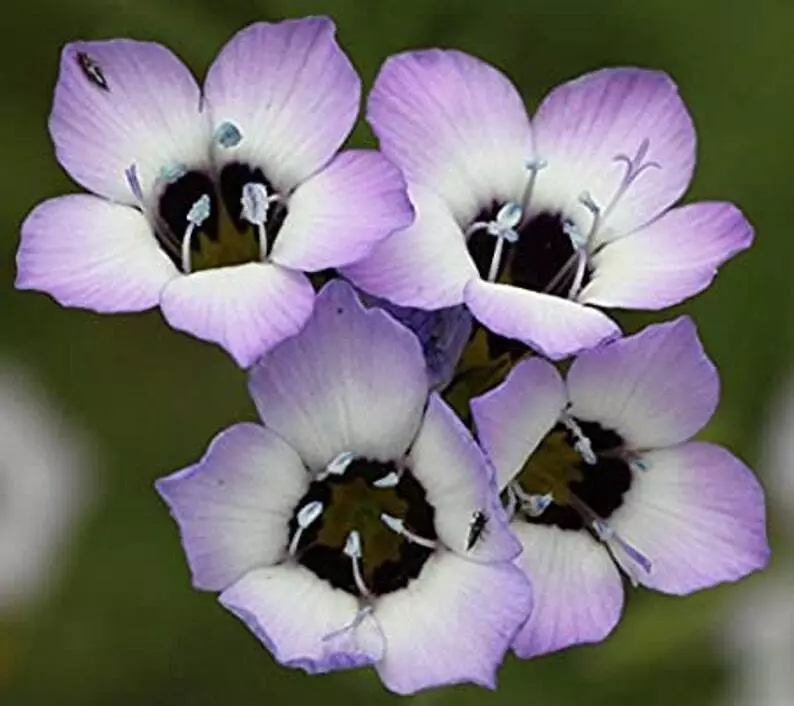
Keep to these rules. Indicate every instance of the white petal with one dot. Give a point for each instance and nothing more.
(234, 506)
(577, 589)
(452, 624)
(655, 388)
(513, 418)
(295, 614)
(459, 484)
(353, 380)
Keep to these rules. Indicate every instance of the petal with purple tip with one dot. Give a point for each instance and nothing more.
(463, 616)
(513, 418)
(340, 214)
(698, 514)
(455, 125)
(655, 388)
(598, 130)
(299, 617)
(234, 506)
(426, 265)
(290, 94)
(353, 380)
(247, 309)
(90, 253)
(459, 484)
(146, 114)
(577, 590)
(673, 258)
(551, 325)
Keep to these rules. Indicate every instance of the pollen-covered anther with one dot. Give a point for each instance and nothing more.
(172, 173)
(532, 504)
(338, 465)
(397, 525)
(639, 464)
(354, 551)
(255, 202)
(198, 213)
(503, 228)
(306, 517)
(228, 135)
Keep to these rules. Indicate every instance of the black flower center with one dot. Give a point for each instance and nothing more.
(542, 259)
(223, 236)
(558, 468)
(355, 501)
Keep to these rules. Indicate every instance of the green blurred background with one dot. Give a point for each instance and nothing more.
(124, 627)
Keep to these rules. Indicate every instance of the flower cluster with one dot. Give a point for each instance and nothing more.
(432, 482)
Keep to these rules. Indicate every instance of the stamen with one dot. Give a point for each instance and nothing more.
(198, 213)
(358, 618)
(134, 182)
(390, 480)
(634, 167)
(589, 203)
(255, 202)
(503, 229)
(397, 525)
(639, 465)
(172, 173)
(338, 466)
(534, 166)
(582, 445)
(533, 505)
(228, 135)
(612, 539)
(353, 550)
(307, 516)
(512, 502)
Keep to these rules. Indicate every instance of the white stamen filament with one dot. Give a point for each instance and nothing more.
(512, 501)
(353, 550)
(581, 444)
(198, 213)
(533, 166)
(390, 480)
(611, 538)
(358, 618)
(256, 202)
(397, 525)
(307, 516)
(338, 465)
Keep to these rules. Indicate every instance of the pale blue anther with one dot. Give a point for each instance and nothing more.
(200, 211)
(255, 202)
(172, 173)
(339, 465)
(535, 505)
(228, 135)
(503, 226)
(578, 239)
(640, 465)
(535, 165)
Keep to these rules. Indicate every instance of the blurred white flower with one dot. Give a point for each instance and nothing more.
(760, 628)
(44, 485)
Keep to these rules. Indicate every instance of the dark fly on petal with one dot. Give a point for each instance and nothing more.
(476, 527)
(92, 71)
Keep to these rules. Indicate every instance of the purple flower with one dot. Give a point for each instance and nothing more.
(214, 203)
(533, 226)
(602, 477)
(359, 525)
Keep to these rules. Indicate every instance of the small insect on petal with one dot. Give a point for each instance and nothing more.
(92, 71)
(476, 527)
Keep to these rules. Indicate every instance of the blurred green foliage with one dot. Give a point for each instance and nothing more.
(126, 628)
